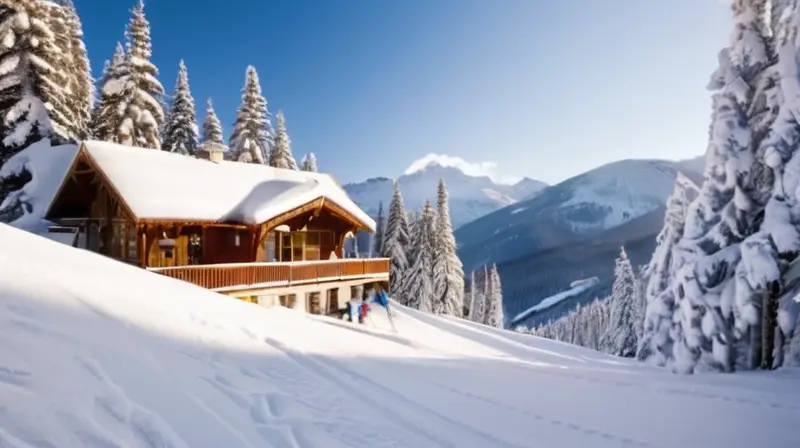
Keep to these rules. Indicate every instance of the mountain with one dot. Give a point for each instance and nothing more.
(695, 165)
(470, 196)
(523, 189)
(97, 353)
(584, 205)
(532, 278)
(572, 231)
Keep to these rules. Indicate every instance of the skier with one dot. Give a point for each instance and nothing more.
(354, 310)
(363, 310)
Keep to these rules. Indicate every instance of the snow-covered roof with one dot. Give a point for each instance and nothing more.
(159, 185)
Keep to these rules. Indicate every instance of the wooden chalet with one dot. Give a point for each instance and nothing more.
(252, 231)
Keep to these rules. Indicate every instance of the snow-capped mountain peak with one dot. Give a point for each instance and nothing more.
(470, 196)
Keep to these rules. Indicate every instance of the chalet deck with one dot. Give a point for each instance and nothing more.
(324, 285)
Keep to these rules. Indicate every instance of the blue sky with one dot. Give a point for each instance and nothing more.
(545, 89)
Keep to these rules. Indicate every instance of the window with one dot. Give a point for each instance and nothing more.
(298, 243)
(305, 245)
(133, 250)
(311, 251)
(286, 246)
(272, 249)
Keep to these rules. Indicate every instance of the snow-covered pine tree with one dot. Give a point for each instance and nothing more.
(712, 291)
(477, 299)
(418, 279)
(180, 129)
(72, 62)
(377, 240)
(620, 336)
(212, 128)
(448, 271)
(81, 80)
(779, 240)
(247, 138)
(396, 245)
(266, 135)
(142, 94)
(583, 326)
(655, 344)
(281, 156)
(487, 293)
(640, 302)
(494, 300)
(356, 252)
(106, 116)
(309, 163)
(34, 94)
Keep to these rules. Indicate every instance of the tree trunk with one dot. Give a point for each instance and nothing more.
(769, 317)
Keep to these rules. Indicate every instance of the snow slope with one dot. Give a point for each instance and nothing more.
(96, 353)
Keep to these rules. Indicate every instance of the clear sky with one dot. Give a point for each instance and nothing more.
(538, 88)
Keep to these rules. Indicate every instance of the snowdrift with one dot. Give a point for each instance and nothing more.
(95, 353)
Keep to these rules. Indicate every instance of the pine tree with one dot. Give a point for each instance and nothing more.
(212, 128)
(477, 300)
(396, 245)
(620, 336)
(640, 302)
(418, 284)
(180, 129)
(142, 94)
(714, 307)
(247, 140)
(655, 343)
(282, 154)
(266, 135)
(355, 247)
(377, 241)
(487, 294)
(780, 238)
(309, 163)
(448, 272)
(34, 94)
(494, 300)
(81, 81)
(106, 115)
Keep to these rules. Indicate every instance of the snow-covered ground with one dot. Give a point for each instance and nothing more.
(95, 353)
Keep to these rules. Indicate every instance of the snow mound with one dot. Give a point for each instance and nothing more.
(98, 353)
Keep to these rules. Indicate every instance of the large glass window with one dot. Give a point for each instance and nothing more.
(298, 244)
(305, 245)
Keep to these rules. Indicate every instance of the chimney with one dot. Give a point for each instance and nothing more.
(212, 151)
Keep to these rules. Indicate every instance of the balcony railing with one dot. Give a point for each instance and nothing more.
(224, 277)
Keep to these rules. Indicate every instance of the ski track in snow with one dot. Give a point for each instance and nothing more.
(594, 375)
(541, 418)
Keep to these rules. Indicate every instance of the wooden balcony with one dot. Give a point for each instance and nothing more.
(257, 276)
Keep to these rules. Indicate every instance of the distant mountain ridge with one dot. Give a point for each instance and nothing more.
(573, 230)
(584, 205)
(470, 196)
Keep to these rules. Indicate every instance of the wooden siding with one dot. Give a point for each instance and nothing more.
(233, 276)
(219, 245)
